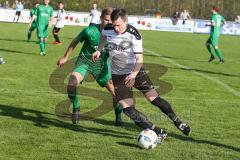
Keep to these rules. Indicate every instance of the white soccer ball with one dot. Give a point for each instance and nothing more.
(147, 139)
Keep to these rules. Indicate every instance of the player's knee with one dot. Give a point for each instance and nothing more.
(73, 81)
(151, 95)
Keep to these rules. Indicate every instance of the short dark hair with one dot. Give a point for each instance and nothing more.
(122, 13)
(106, 11)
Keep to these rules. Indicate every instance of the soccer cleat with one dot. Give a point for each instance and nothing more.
(184, 128)
(42, 53)
(119, 122)
(211, 59)
(161, 137)
(75, 115)
(57, 43)
(222, 61)
(2, 61)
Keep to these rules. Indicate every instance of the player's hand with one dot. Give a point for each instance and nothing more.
(30, 24)
(96, 55)
(61, 61)
(130, 80)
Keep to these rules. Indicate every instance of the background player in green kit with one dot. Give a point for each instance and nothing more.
(44, 16)
(216, 22)
(34, 23)
(84, 65)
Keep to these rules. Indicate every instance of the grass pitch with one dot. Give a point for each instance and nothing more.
(207, 96)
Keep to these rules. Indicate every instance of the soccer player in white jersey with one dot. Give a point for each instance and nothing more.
(124, 43)
(59, 23)
(95, 14)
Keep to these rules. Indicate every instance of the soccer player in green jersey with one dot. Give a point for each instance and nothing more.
(216, 22)
(34, 23)
(84, 65)
(44, 17)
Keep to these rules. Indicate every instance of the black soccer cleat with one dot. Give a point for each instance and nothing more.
(75, 115)
(119, 123)
(222, 61)
(184, 128)
(211, 59)
(161, 137)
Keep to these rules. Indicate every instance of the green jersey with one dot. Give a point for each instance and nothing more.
(217, 20)
(32, 12)
(43, 13)
(91, 37)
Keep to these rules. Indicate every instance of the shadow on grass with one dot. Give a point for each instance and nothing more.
(132, 145)
(202, 141)
(169, 57)
(18, 52)
(41, 119)
(16, 40)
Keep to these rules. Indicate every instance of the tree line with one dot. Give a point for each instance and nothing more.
(200, 9)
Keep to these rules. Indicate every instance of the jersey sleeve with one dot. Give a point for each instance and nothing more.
(137, 45)
(223, 20)
(36, 11)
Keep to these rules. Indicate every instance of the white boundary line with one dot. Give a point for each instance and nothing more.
(227, 87)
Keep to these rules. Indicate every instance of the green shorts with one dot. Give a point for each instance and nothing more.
(100, 70)
(42, 31)
(213, 40)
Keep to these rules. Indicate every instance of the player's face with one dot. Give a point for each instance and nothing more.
(105, 20)
(60, 6)
(46, 2)
(94, 6)
(120, 26)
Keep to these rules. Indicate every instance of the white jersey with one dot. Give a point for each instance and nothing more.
(95, 16)
(122, 49)
(61, 14)
(185, 15)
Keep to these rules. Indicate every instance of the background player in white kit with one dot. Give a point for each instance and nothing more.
(95, 14)
(59, 23)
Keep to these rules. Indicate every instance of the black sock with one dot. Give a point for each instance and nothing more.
(56, 37)
(165, 108)
(29, 35)
(139, 118)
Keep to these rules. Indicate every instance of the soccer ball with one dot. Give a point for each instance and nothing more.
(147, 139)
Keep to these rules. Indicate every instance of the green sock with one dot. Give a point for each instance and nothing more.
(117, 109)
(42, 48)
(210, 51)
(219, 54)
(74, 100)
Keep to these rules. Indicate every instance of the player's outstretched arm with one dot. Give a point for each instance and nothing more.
(95, 55)
(67, 54)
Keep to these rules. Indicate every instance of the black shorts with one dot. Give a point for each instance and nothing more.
(18, 13)
(142, 83)
(56, 30)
